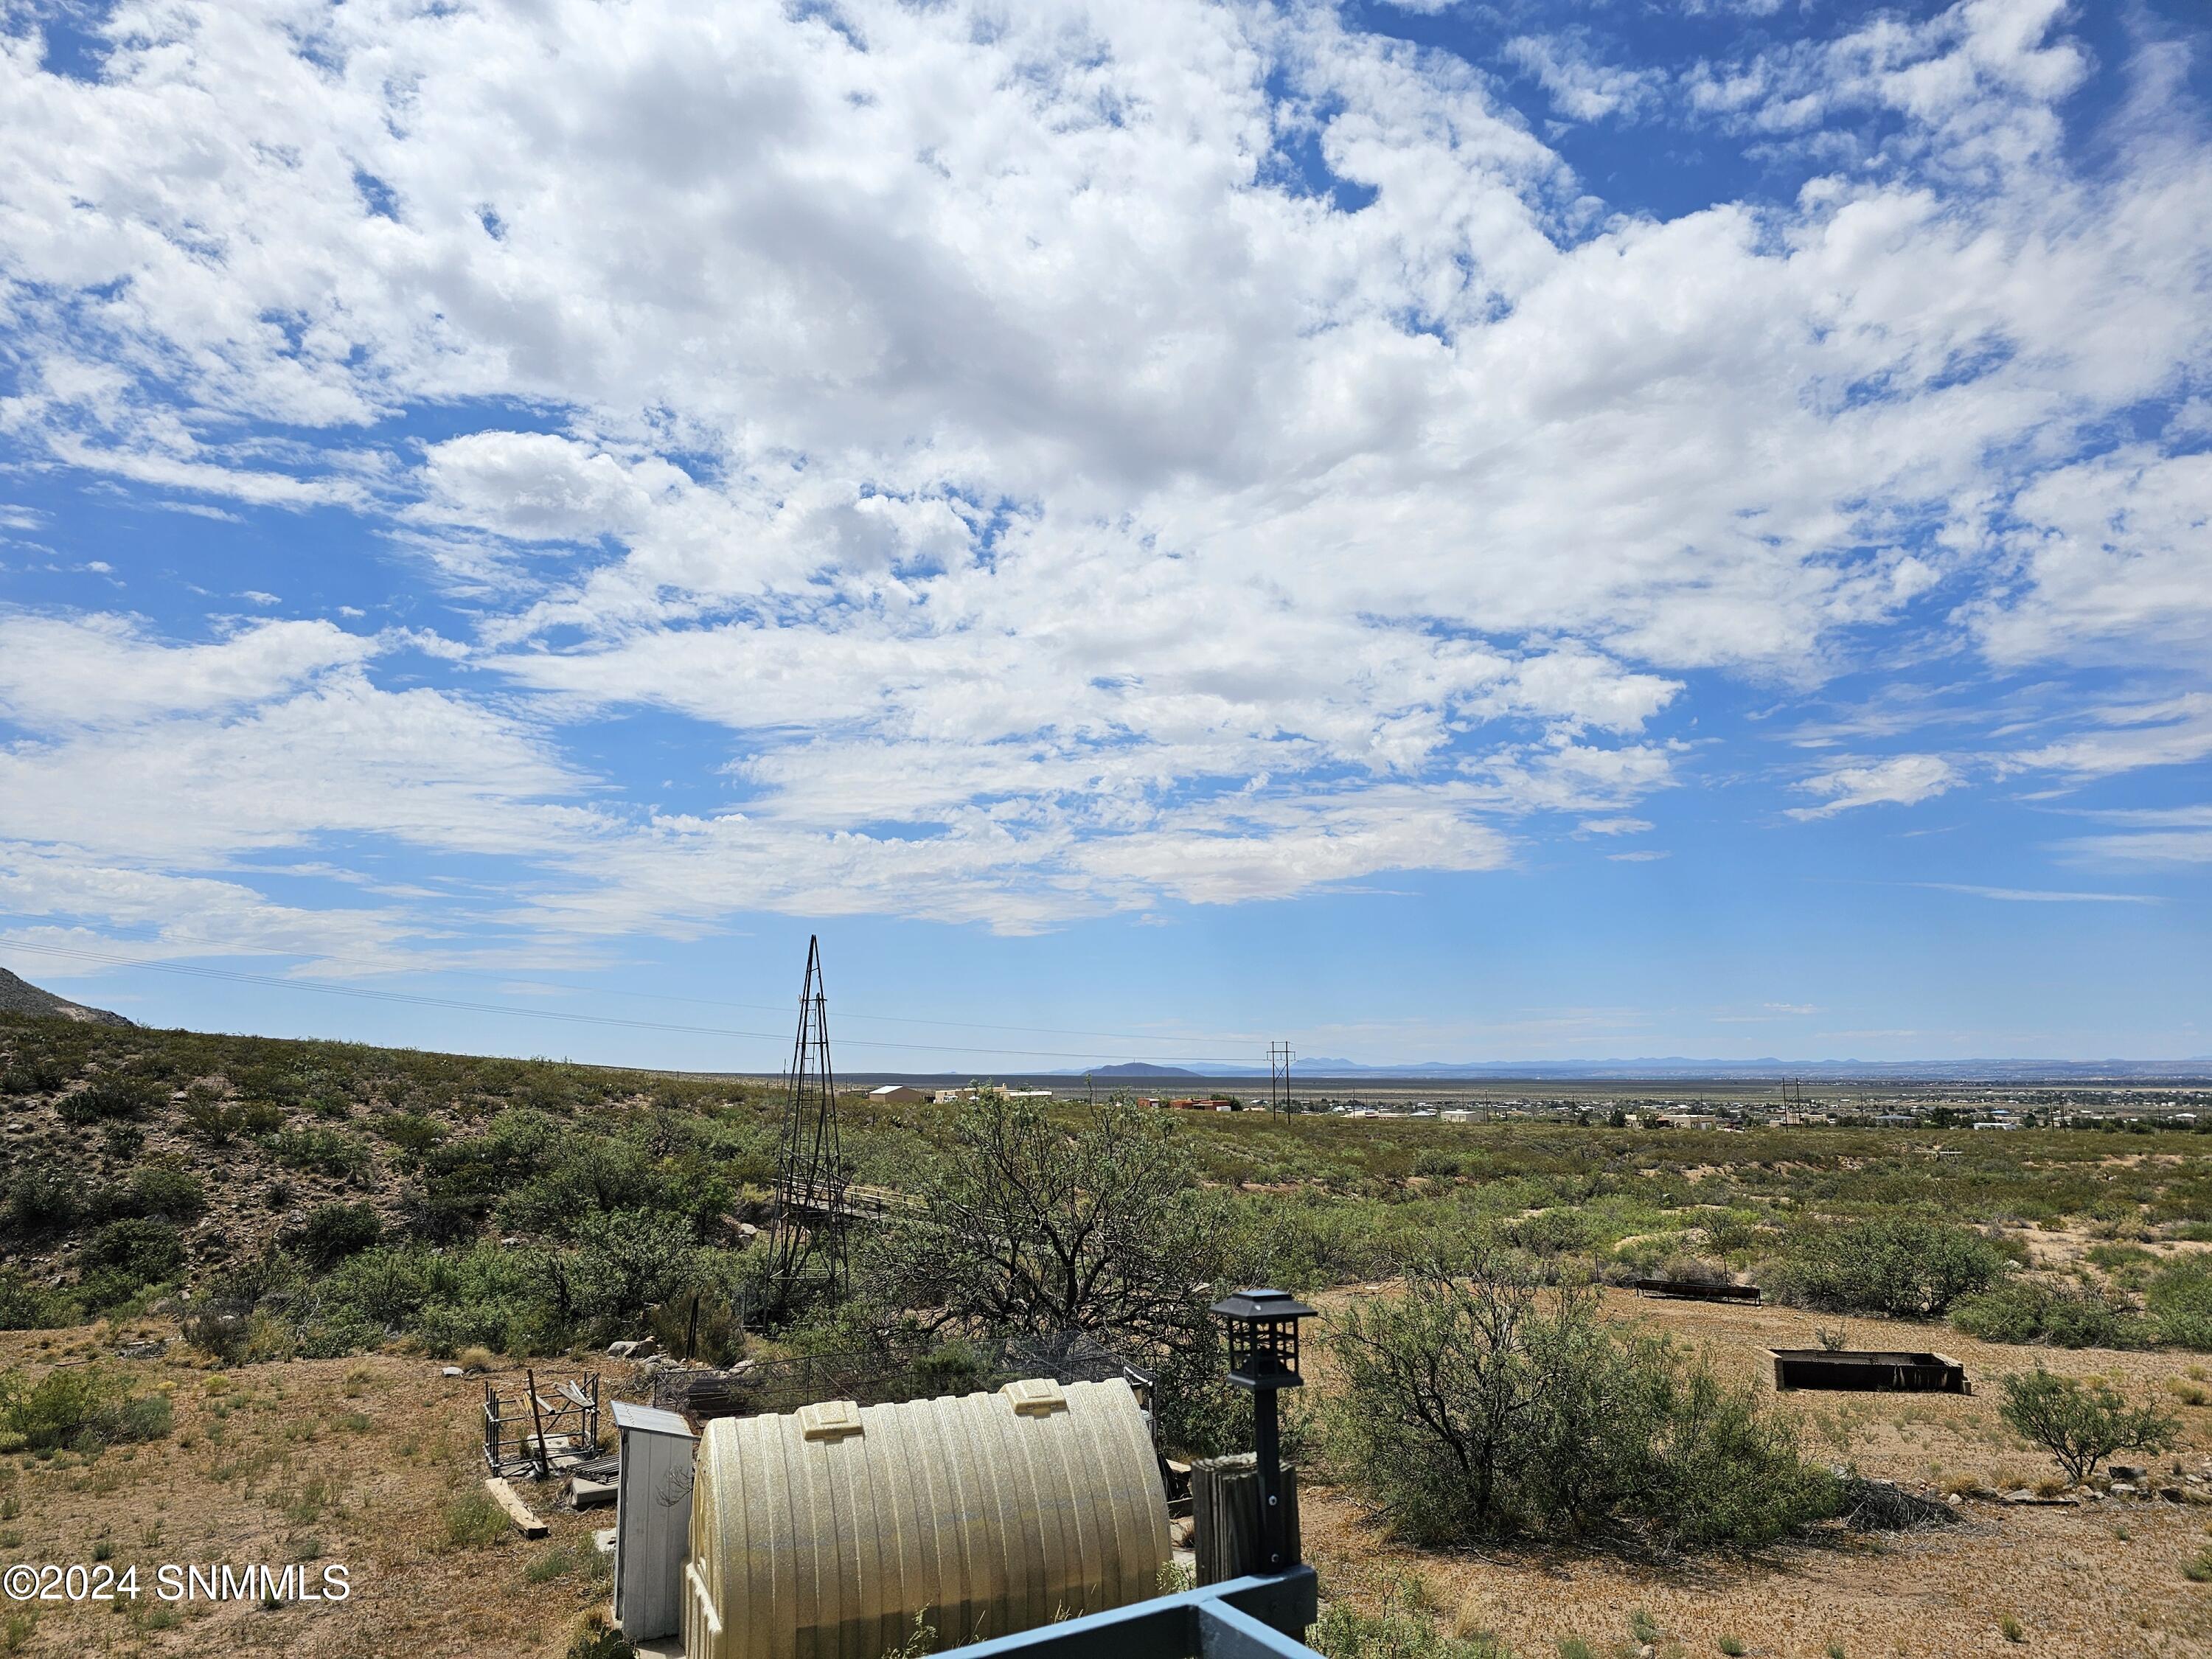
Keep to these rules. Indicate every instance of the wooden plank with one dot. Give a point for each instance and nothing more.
(518, 1512)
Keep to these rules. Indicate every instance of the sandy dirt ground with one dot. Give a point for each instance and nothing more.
(351, 1462)
(358, 1460)
(2101, 1579)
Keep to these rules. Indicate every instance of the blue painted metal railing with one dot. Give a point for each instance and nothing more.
(1240, 1619)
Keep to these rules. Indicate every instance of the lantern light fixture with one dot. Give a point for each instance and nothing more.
(1263, 1337)
(1263, 1357)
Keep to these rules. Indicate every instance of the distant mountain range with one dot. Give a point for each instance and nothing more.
(1677, 1066)
(20, 996)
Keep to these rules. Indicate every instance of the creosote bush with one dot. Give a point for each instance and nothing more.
(1906, 1267)
(2065, 1316)
(26, 1305)
(82, 1407)
(112, 1097)
(127, 1257)
(2180, 1300)
(1481, 1403)
(331, 1232)
(43, 1199)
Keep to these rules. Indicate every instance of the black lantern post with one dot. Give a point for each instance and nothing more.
(1263, 1357)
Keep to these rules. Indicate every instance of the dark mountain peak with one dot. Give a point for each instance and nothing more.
(20, 996)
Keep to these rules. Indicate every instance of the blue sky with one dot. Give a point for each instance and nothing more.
(1428, 531)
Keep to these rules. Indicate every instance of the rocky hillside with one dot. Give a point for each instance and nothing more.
(20, 996)
(132, 1159)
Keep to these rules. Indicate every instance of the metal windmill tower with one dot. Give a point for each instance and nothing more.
(811, 1177)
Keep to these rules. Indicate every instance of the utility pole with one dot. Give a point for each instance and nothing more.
(1278, 1078)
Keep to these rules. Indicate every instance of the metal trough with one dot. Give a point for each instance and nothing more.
(1868, 1370)
(1698, 1289)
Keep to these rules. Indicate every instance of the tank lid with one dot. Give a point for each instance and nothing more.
(829, 1420)
(1036, 1397)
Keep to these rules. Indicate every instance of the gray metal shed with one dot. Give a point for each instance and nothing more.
(653, 1518)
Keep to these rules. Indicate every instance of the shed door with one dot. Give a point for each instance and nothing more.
(629, 1513)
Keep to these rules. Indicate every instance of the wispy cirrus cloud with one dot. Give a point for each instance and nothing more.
(2037, 895)
(1899, 780)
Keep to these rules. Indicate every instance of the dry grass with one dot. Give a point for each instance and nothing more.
(2072, 1585)
(372, 1462)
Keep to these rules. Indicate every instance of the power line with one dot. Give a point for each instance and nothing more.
(168, 938)
(416, 1000)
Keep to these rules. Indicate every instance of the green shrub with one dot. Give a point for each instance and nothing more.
(28, 1306)
(1551, 1232)
(2034, 1310)
(2112, 1257)
(212, 1120)
(221, 1330)
(1478, 1403)
(165, 1190)
(326, 1151)
(2079, 1426)
(36, 1075)
(1720, 1472)
(553, 1563)
(44, 1199)
(2180, 1298)
(1902, 1266)
(126, 1257)
(601, 1642)
(584, 1179)
(627, 1260)
(143, 1417)
(332, 1232)
(113, 1096)
(72, 1405)
(382, 1286)
(410, 1130)
(510, 1300)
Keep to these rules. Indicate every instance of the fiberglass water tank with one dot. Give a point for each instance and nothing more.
(821, 1535)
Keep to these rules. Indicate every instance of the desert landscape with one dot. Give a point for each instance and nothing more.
(273, 1309)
